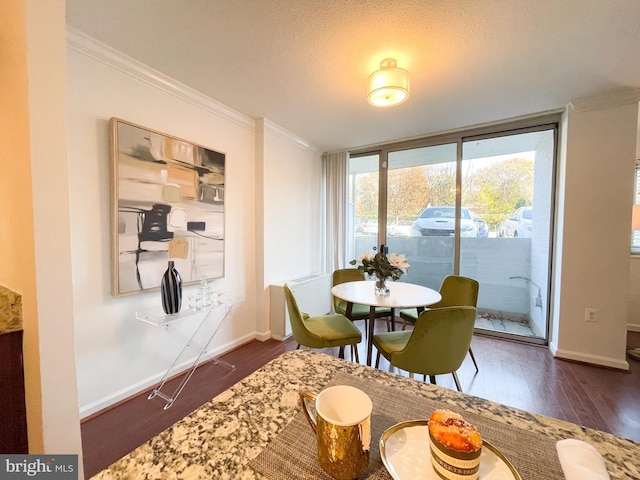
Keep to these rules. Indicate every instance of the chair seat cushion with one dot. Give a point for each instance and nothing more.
(409, 315)
(359, 311)
(391, 342)
(333, 330)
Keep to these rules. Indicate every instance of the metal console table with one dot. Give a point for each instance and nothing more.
(158, 318)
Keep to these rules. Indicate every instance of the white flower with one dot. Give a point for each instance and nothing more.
(365, 256)
(399, 261)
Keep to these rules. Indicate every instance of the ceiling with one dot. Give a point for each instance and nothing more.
(303, 64)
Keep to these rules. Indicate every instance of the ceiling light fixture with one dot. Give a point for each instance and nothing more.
(388, 86)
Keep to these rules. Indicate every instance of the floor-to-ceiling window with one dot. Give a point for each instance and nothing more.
(476, 203)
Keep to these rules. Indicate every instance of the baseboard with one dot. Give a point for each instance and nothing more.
(591, 359)
(108, 401)
(633, 327)
(263, 336)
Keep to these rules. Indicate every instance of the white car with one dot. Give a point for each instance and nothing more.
(401, 228)
(441, 221)
(518, 224)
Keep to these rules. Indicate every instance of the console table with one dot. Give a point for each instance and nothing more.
(157, 317)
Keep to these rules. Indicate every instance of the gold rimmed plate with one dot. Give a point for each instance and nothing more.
(404, 449)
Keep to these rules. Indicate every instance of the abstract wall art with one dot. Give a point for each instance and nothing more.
(167, 204)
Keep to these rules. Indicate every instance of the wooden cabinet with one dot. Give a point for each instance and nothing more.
(13, 414)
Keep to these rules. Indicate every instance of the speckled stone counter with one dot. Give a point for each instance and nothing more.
(10, 310)
(218, 440)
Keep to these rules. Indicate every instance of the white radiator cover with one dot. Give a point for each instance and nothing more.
(313, 294)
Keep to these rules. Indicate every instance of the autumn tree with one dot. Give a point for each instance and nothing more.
(502, 187)
(408, 190)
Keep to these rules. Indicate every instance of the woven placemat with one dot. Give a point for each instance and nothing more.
(292, 454)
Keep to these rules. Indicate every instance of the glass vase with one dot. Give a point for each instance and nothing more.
(381, 288)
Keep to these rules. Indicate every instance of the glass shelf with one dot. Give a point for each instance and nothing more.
(156, 316)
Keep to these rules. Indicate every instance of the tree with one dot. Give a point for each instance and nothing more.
(407, 193)
(500, 188)
(366, 195)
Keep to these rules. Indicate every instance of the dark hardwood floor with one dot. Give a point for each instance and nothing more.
(514, 374)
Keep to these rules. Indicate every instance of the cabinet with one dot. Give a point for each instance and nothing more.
(13, 412)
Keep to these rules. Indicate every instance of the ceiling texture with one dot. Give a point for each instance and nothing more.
(303, 64)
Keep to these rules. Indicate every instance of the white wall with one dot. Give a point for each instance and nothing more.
(593, 243)
(291, 208)
(118, 355)
(46, 64)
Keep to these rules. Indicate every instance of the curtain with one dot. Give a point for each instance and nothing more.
(335, 167)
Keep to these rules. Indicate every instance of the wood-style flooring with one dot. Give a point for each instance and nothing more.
(515, 374)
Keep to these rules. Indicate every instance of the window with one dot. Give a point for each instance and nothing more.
(635, 219)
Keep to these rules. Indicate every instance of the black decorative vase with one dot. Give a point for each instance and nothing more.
(171, 290)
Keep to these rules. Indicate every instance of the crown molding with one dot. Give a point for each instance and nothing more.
(92, 48)
(608, 100)
(284, 134)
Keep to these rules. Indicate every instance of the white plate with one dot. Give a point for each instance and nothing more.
(404, 449)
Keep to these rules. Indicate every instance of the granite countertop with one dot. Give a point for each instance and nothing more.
(219, 439)
(10, 310)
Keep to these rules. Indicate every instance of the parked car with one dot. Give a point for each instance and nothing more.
(401, 228)
(441, 221)
(518, 224)
(483, 227)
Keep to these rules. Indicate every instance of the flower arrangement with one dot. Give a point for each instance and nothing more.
(382, 267)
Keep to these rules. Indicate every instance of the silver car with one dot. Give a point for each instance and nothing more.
(441, 221)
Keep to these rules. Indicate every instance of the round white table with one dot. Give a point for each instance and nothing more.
(403, 295)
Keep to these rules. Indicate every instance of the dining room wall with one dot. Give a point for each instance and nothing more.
(592, 269)
(289, 214)
(116, 354)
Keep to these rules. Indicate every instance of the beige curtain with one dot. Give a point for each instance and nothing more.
(335, 167)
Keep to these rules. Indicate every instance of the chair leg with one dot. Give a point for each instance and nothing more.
(378, 360)
(298, 347)
(354, 352)
(473, 357)
(455, 378)
(341, 352)
(432, 379)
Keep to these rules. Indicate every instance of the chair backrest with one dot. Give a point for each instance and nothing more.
(344, 275)
(298, 328)
(439, 342)
(458, 291)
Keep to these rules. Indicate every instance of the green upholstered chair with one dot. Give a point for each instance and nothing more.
(358, 312)
(456, 291)
(437, 344)
(321, 331)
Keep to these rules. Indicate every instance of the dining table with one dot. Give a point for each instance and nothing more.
(401, 295)
(256, 430)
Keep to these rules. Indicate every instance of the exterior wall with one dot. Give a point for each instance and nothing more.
(540, 235)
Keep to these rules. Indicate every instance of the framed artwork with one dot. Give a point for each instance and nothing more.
(167, 204)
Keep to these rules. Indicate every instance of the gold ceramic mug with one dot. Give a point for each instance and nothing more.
(342, 424)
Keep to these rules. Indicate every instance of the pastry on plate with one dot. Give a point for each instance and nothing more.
(455, 445)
